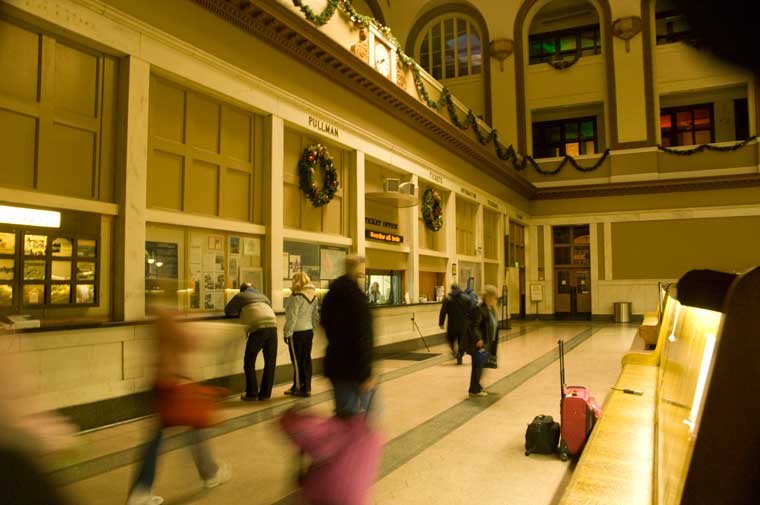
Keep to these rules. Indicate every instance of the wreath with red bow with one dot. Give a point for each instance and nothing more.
(315, 157)
(432, 209)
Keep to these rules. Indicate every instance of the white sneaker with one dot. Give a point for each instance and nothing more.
(143, 497)
(482, 393)
(223, 474)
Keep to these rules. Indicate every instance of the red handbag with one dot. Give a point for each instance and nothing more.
(189, 404)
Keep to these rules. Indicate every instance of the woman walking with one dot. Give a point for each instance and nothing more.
(301, 317)
(180, 403)
(483, 334)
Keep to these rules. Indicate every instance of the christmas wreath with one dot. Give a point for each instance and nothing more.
(432, 211)
(316, 157)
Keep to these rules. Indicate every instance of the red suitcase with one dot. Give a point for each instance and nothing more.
(579, 413)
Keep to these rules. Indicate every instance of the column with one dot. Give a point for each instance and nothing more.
(450, 214)
(274, 209)
(547, 306)
(608, 251)
(358, 205)
(413, 261)
(594, 246)
(129, 260)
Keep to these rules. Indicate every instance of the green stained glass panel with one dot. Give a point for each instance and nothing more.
(588, 130)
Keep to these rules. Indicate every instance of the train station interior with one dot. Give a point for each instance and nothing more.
(585, 174)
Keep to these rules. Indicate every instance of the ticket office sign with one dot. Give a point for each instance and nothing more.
(384, 236)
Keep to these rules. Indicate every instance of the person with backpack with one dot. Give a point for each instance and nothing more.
(301, 318)
(456, 307)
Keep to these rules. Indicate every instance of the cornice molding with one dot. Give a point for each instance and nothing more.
(649, 187)
(286, 31)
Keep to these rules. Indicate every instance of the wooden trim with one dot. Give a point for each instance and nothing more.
(471, 11)
(649, 187)
(206, 222)
(288, 32)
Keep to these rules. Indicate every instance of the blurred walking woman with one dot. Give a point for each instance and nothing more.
(301, 317)
(180, 403)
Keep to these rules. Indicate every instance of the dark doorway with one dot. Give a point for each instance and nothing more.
(572, 272)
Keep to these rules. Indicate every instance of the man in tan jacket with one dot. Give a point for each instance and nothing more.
(255, 311)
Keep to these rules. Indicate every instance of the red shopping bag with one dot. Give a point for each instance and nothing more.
(189, 404)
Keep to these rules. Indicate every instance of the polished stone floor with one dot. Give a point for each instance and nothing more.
(441, 446)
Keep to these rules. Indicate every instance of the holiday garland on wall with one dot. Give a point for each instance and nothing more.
(432, 209)
(316, 157)
(707, 147)
(506, 154)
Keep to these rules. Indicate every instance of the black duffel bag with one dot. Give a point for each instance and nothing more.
(542, 436)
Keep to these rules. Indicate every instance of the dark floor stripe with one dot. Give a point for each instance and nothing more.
(103, 464)
(409, 445)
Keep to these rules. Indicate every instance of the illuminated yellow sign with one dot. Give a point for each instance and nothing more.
(30, 217)
(385, 237)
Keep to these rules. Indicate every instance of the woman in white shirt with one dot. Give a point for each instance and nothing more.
(301, 317)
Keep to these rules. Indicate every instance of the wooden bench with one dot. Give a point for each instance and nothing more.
(650, 326)
(681, 442)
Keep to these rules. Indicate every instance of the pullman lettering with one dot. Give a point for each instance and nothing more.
(323, 127)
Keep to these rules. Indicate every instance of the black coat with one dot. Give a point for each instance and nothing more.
(457, 307)
(481, 327)
(348, 325)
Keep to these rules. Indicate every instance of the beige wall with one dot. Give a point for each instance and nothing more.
(106, 363)
(58, 106)
(205, 156)
(652, 249)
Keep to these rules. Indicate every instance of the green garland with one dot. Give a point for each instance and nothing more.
(432, 209)
(313, 157)
(507, 154)
(707, 147)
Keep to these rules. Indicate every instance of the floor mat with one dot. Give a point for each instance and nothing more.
(414, 356)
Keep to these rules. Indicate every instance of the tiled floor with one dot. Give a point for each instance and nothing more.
(459, 452)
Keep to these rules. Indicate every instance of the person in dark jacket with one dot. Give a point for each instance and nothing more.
(350, 339)
(457, 307)
(483, 334)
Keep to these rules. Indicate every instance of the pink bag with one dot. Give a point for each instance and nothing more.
(345, 455)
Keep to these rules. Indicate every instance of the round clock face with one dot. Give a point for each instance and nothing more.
(383, 60)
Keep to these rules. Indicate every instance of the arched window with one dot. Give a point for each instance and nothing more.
(450, 46)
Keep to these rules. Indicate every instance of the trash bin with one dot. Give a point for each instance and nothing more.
(622, 312)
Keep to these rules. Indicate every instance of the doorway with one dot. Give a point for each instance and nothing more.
(572, 272)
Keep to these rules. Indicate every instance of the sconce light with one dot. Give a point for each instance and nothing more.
(151, 261)
(501, 49)
(627, 28)
(159, 264)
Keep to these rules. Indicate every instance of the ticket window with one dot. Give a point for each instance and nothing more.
(385, 287)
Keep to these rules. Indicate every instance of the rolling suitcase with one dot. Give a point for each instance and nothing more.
(579, 413)
(542, 436)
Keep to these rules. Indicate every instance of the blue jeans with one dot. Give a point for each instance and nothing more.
(349, 399)
(204, 462)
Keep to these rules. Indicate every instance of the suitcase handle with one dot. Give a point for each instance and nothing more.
(561, 344)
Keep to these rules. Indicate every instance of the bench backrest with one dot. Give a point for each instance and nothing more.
(686, 342)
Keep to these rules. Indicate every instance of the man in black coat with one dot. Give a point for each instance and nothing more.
(347, 322)
(457, 307)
